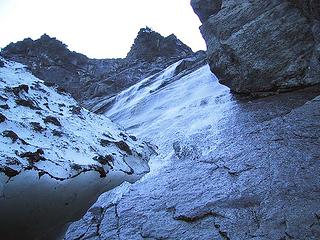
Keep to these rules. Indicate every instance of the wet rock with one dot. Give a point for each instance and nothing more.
(9, 172)
(105, 142)
(27, 103)
(53, 120)
(57, 133)
(20, 88)
(2, 118)
(76, 110)
(14, 137)
(258, 46)
(10, 134)
(108, 159)
(122, 145)
(37, 127)
(33, 157)
(5, 106)
(134, 138)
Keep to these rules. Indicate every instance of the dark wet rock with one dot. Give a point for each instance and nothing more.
(134, 138)
(2, 118)
(262, 47)
(105, 142)
(9, 172)
(37, 127)
(27, 103)
(149, 45)
(5, 106)
(61, 90)
(100, 170)
(33, 157)
(57, 133)
(108, 159)
(90, 79)
(10, 134)
(76, 110)
(13, 136)
(1, 64)
(20, 88)
(122, 145)
(52, 120)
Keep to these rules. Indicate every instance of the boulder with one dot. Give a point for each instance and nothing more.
(262, 47)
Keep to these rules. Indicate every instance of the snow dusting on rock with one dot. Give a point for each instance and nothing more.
(56, 158)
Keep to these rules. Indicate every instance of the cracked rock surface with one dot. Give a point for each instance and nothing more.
(262, 47)
(239, 168)
(53, 166)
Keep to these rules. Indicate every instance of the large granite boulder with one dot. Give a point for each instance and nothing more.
(260, 47)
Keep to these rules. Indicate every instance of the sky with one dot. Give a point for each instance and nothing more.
(98, 28)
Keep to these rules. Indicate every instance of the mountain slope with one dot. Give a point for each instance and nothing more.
(86, 79)
(56, 158)
(230, 167)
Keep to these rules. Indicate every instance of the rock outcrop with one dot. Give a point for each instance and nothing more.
(259, 47)
(235, 167)
(56, 158)
(150, 45)
(87, 79)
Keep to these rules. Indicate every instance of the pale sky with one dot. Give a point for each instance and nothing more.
(98, 28)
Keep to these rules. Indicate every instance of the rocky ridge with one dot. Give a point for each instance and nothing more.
(262, 47)
(87, 79)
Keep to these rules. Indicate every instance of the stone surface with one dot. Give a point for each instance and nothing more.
(251, 172)
(205, 8)
(256, 47)
(150, 45)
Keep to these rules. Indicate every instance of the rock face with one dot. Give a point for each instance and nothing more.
(149, 45)
(262, 46)
(56, 158)
(235, 167)
(87, 79)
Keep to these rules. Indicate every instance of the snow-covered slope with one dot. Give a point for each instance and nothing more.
(238, 168)
(168, 107)
(55, 157)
